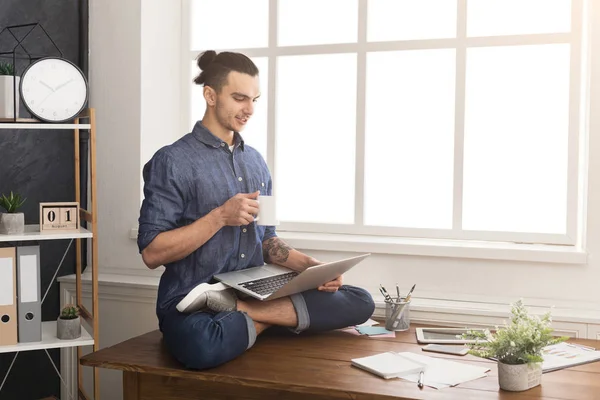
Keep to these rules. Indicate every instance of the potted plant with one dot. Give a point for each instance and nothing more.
(12, 222)
(517, 347)
(68, 325)
(8, 95)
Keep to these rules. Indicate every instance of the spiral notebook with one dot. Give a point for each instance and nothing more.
(388, 365)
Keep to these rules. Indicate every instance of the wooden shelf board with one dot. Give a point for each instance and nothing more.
(32, 232)
(50, 341)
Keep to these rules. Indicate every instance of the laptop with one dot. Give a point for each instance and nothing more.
(269, 282)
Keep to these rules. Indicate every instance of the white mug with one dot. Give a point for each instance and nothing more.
(267, 214)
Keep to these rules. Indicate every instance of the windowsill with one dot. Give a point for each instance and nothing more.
(436, 247)
(432, 247)
(143, 288)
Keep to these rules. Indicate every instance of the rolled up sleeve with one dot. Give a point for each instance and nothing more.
(164, 198)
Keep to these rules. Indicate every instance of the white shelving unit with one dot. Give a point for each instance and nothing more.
(50, 341)
(32, 233)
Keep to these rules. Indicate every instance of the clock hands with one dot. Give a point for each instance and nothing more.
(48, 86)
(48, 95)
(55, 89)
(63, 84)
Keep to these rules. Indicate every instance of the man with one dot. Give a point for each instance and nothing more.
(197, 219)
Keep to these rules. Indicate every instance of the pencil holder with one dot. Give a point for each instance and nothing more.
(397, 314)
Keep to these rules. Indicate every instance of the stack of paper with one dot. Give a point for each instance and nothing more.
(388, 365)
(441, 373)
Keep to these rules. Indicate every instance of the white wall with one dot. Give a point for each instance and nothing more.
(115, 68)
(160, 78)
(135, 81)
(138, 112)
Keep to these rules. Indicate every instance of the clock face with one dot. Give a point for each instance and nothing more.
(53, 90)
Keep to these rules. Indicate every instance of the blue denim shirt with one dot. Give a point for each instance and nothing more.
(185, 181)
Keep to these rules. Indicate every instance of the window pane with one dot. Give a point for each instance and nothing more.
(316, 130)
(409, 148)
(225, 24)
(516, 131)
(514, 17)
(317, 22)
(411, 19)
(255, 133)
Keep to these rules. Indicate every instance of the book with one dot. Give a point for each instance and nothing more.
(388, 365)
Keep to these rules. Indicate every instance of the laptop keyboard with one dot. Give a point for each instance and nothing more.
(265, 286)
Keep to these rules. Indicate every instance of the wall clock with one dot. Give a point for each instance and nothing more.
(53, 89)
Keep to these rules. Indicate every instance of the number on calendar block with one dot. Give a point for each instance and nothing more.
(59, 217)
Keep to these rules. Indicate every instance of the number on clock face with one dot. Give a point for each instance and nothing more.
(53, 89)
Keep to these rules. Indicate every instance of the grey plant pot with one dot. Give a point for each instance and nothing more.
(12, 223)
(67, 329)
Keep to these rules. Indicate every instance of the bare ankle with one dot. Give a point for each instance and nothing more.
(260, 327)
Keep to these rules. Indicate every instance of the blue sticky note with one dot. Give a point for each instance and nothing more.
(372, 330)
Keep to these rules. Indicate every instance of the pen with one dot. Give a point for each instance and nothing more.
(385, 293)
(410, 292)
(398, 291)
(420, 383)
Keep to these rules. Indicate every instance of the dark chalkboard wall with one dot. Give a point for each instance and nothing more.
(39, 164)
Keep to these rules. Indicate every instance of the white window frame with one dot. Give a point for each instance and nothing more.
(577, 117)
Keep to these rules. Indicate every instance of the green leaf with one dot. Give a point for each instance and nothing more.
(6, 68)
(12, 203)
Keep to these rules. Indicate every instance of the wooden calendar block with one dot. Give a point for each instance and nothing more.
(59, 217)
(68, 215)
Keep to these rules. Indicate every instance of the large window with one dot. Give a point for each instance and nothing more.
(419, 118)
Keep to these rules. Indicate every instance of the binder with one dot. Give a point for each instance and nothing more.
(29, 306)
(8, 297)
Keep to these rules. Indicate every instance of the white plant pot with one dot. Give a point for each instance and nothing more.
(12, 223)
(7, 96)
(517, 378)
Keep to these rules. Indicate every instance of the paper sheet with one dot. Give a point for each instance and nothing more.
(441, 373)
(369, 322)
(350, 330)
(563, 355)
(384, 335)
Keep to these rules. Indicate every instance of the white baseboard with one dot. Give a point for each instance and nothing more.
(139, 292)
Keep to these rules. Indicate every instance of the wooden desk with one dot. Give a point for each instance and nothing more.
(314, 367)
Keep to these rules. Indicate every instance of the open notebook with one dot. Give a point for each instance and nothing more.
(388, 365)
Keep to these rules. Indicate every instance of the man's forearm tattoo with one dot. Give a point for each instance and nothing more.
(276, 250)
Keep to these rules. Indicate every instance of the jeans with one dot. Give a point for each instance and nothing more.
(204, 340)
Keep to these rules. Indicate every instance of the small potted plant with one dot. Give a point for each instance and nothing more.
(517, 347)
(8, 95)
(68, 325)
(12, 222)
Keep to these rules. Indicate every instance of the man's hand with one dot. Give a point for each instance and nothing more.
(240, 209)
(331, 286)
